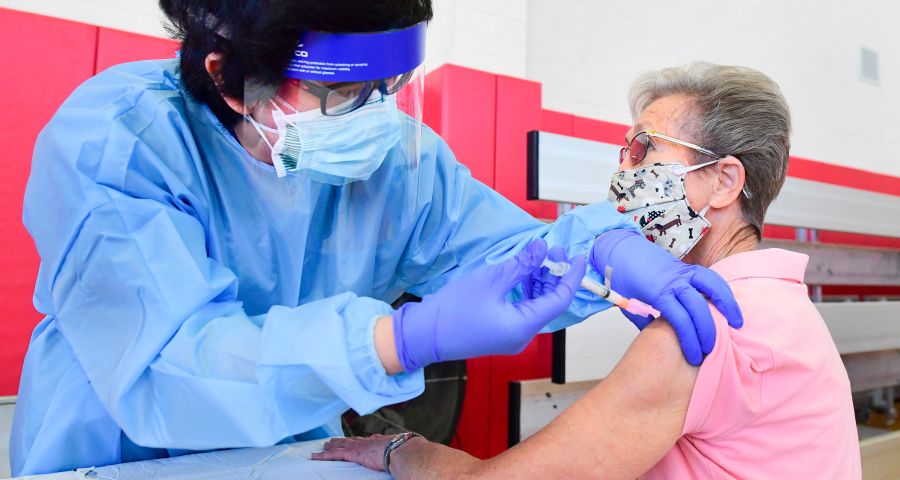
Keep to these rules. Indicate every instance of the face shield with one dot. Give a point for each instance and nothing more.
(347, 100)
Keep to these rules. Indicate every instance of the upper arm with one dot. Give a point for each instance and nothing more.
(624, 425)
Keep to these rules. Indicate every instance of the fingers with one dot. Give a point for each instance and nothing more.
(602, 250)
(543, 280)
(338, 455)
(572, 279)
(698, 309)
(709, 283)
(335, 449)
(557, 253)
(541, 310)
(678, 317)
(365, 451)
(336, 443)
(515, 270)
(531, 287)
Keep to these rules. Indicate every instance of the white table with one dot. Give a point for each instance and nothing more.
(278, 462)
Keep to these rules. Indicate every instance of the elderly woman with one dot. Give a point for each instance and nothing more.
(772, 400)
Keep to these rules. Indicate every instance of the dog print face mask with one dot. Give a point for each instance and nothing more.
(654, 197)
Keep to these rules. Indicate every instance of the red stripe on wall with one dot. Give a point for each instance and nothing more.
(779, 232)
(862, 292)
(557, 122)
(599, 130)
(843, 176)
(846, 238)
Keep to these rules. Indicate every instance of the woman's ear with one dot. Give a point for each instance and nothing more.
(213, 66)
(729, 182)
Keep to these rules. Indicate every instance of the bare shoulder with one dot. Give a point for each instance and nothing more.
(621, 427)
(653, 370)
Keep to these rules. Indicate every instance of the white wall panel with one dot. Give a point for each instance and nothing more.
(586, 53)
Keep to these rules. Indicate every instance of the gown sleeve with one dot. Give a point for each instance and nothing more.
(467, 224)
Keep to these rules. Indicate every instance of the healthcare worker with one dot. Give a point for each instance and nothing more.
(221, 237)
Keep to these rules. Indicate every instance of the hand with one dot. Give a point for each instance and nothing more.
(643, 270)
(541, 280)
(366, 451)
(473, 316)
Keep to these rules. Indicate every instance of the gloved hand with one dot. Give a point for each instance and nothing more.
(643, 270)
(473, 316)
(541, 280)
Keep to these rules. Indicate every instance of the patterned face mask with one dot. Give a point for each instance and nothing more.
(654, 197)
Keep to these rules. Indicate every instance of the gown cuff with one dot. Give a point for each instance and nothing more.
(303, 339)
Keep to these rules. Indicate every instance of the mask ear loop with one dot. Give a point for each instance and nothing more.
(280, 169)
(705, 209)
(285, 102)
(260, 128)
(698, 167)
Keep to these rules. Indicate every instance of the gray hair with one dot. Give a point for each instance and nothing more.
(736, 111)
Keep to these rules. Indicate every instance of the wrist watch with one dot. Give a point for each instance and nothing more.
(399, 439)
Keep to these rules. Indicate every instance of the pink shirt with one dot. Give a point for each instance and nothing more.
(773, 399)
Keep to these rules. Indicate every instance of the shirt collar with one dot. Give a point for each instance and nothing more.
(766, 263)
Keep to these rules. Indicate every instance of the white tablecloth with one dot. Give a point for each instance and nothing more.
(278, 462)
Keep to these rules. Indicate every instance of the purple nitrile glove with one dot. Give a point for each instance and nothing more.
(473, 316)
(643, 270)
(540, 280)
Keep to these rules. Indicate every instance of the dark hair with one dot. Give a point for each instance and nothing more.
(257, 38)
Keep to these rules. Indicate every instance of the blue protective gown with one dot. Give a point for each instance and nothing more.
(195, 301)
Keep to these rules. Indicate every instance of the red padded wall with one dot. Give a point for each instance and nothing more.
(43, 60)
(464, 111)
(115, 47)
(518, 112)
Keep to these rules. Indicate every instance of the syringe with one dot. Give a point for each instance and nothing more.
(630, 305)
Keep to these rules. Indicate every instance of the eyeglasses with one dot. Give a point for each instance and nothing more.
(636, 151)
(637, 148)
(342, 98)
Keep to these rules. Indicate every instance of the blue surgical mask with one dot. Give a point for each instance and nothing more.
(333, 149)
